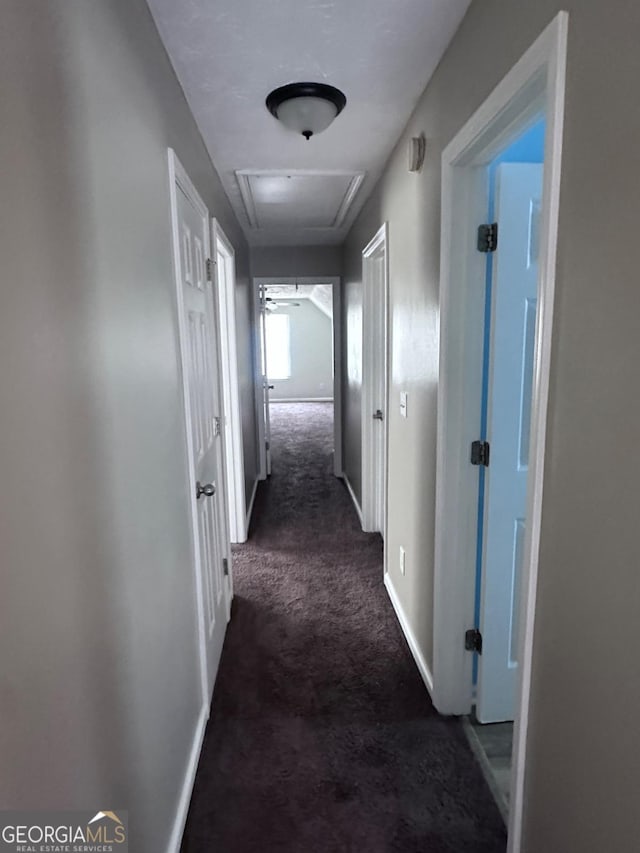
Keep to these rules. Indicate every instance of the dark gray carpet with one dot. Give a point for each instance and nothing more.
(322, 738)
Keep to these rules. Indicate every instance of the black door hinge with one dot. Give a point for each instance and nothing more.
(473, 640)
(488, 237)
(480, 453)
(225, 567)
(209, 269)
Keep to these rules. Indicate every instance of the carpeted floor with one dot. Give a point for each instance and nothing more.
(322, 738)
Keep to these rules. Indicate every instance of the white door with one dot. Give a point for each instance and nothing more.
(379, 407)
(205, 415)
(265, 376)
(374, 383)
(513, 324)
(225, 289)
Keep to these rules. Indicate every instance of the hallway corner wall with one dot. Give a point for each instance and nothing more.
(100, 683)
(582, 766)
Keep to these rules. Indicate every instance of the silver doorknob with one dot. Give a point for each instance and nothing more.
(377, 415)
(208, 490)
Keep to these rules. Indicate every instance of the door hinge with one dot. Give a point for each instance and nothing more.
(225, 567)
(480, 453)
(266, 445)
(217, 425)
(210, 264)
(473, 640)
(488, 237)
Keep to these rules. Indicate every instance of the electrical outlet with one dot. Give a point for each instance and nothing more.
(403, 560)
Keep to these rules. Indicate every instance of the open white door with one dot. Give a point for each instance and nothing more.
(374, 383)
(513, 329)
(265, 378)
(225, 285)
(203, 414)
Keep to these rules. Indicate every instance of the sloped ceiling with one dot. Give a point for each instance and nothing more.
(229, 54)
(320, 294)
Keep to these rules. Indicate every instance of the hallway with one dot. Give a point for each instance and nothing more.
(322, 737)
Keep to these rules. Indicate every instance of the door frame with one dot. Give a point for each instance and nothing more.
(375, 250)
(336, 290)
(535, 84)
(234, 454)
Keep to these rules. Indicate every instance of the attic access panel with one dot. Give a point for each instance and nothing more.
(286, 199)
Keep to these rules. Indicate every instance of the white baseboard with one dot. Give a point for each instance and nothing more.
(300, 399)
(418, 657)
(250, 510)
(187, 787)
(353, 497)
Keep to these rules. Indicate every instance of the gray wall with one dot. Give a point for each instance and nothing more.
(311, 338)
(99, 683)
(584, 740)
(291, 261)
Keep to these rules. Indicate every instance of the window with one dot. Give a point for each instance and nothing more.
(278, 346)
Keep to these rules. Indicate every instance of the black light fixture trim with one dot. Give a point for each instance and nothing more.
(305, 90)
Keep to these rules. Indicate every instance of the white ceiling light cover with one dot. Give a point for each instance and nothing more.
(307, 115)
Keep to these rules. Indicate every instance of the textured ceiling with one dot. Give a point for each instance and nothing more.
(229, 54)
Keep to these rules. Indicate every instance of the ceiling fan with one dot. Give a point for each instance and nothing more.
(271, 304)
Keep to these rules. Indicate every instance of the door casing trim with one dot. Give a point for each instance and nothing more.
(535, 84)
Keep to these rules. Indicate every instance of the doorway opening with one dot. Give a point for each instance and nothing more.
(298, 355)
(514, 203)
(496, 324)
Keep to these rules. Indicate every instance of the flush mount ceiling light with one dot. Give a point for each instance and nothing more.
(306, 108)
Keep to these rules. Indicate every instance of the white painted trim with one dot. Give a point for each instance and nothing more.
(234, 451)
(557, 35)
(302, 399)
(376, 248)
(356, 505)
(251, 503)
(175, 840)
(414, 647)
(243, 178)
(352, 189)
(336, 292)
(336, 286)
(179, 178)
(535, 84)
